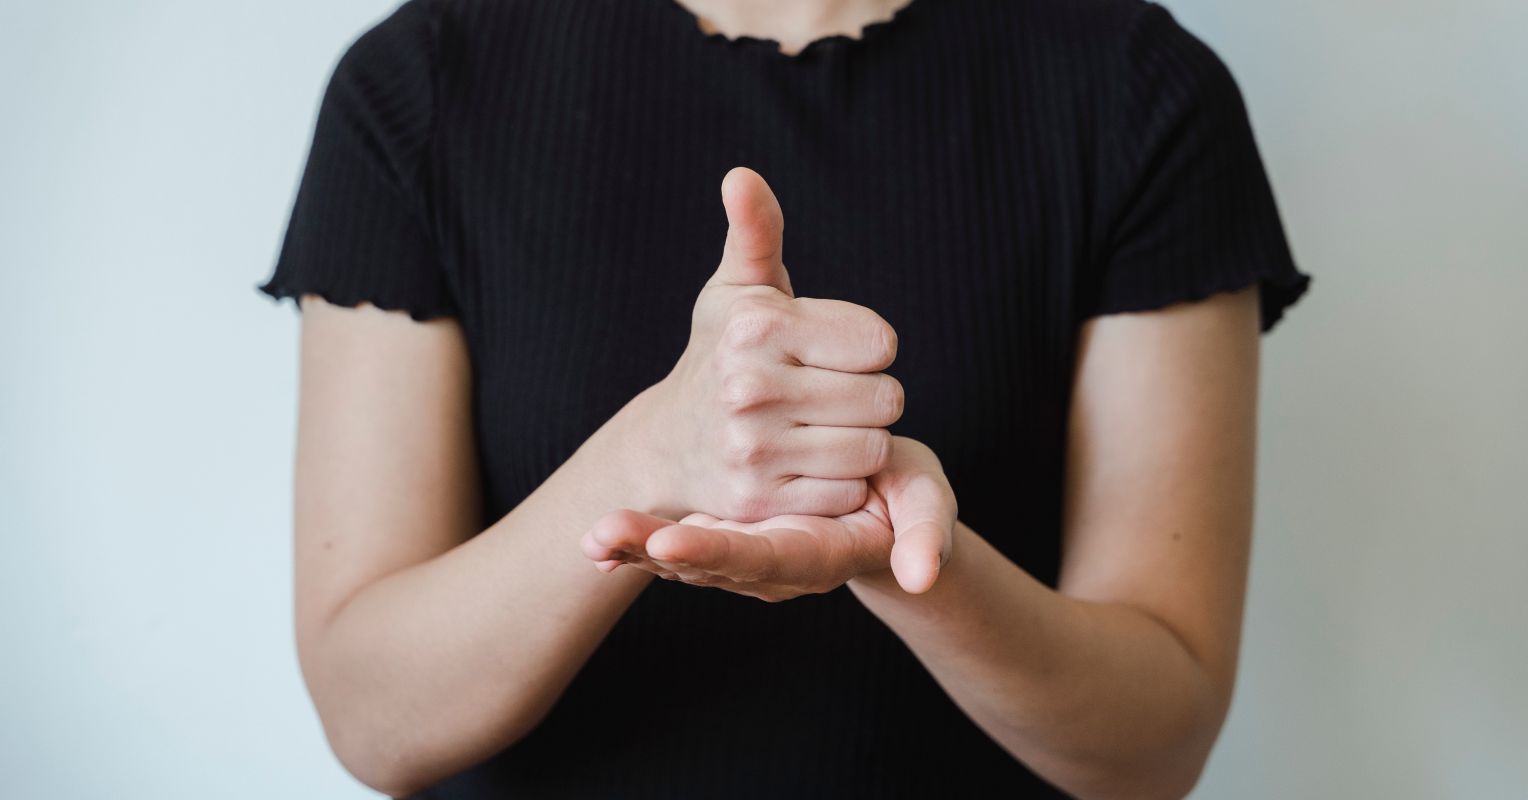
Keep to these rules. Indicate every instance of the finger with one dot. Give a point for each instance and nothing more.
(826, 451)
(818, 497)
(620, 532)
(648, 565)
(839, 335)
(778, 555)
(710, 580)
(705, 548)
(917, 556)
(755, 234)
(923, 512)
(597, 552)
(816, 396)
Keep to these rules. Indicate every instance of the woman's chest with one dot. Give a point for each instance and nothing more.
(580, 255)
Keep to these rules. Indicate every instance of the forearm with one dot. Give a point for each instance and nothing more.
(1101, 699)
(437, 666)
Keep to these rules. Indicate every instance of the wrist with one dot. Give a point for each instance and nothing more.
(877, 581)
(634, 447)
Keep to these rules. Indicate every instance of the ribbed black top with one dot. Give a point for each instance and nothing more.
(985, 174)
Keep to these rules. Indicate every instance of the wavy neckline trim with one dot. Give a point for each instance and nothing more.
(771, 47)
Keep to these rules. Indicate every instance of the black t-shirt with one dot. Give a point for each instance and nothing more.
(985, 174)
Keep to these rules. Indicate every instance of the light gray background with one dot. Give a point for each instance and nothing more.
(149, 152)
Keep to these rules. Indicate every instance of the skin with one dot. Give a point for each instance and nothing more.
(1114, 684)
(906, 524)
(791, 23)
(777, 403)
(406, 621)
(410, 620)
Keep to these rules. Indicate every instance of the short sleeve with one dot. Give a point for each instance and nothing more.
(360, 225)
(1187, 210)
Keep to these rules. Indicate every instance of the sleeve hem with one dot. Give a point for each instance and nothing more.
(1277, 291)
(419, 312)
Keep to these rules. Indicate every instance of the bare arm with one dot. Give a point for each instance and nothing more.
(1117, 684)
(427, 644)
(426, 648)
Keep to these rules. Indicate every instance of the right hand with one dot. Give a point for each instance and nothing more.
(778, 404)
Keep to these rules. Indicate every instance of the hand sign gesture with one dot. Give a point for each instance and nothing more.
(906, 525)
(777, 404)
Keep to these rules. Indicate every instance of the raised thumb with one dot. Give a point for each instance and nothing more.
(755, 234)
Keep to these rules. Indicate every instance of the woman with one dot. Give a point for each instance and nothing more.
(1033, 240)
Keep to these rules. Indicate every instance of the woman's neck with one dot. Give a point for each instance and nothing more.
(792, 23)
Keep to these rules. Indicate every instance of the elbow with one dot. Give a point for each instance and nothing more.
(388, 764)
(1169, 770)
(378, 778)
(382, 750)
(1168, 782)
(400, 736)
(1169, 762)
(380, 761)
(367, 735)
(1170, 779)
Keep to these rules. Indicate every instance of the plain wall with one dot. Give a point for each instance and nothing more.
(149, 153)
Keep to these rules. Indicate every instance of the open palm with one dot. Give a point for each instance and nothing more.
(906, 525)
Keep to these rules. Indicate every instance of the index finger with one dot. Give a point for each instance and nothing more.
(839, 335)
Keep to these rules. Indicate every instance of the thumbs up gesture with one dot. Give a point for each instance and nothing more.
(778, 404)
(774, 417)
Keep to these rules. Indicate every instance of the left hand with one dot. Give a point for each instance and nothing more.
(906, 526)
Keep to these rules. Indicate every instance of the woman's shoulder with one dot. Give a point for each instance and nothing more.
(431, 28)
(1124, 60)
(1100, 31)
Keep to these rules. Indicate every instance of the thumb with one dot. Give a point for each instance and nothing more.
(919, 553)
(755, 234)
(923, 515)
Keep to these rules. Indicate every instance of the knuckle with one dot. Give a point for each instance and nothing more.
(742, 447)
(856, 493)
(752, 321)
(746, 503)
(743, 391)
(745, 302)
(840, 497)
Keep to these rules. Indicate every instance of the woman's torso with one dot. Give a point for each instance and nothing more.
(938, 171)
